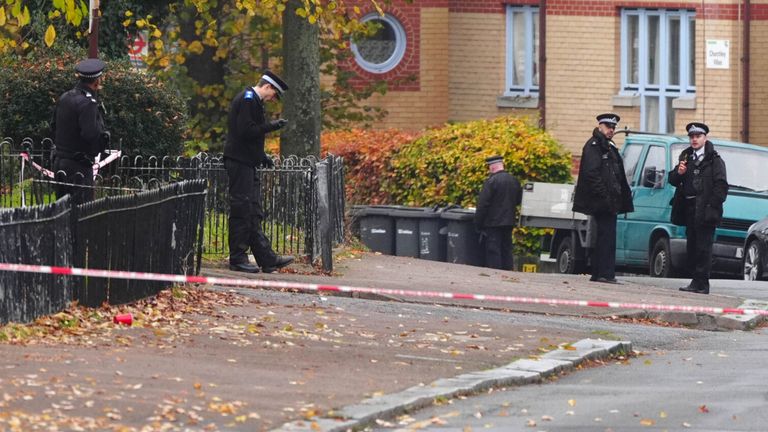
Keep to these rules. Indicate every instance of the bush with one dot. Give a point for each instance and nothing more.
(447, 166)
(144, 112)
(366, 156)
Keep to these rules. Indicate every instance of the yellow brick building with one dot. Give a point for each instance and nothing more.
(657, 64)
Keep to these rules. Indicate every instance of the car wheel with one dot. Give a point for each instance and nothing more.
(660, 263)
(752, 262)
(566, 258)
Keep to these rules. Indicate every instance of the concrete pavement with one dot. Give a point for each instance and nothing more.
(251, 359)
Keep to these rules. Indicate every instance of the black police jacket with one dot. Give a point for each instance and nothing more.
(78, 126)
(246, 129)
(498, 201)
(602, 185)
(710, 181)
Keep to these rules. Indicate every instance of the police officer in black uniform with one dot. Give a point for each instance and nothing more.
(602, 191)
(701, 189)
(495, 216)
(79, 133)
(243, 152)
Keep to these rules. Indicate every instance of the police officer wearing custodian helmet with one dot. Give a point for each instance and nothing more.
(79, 133)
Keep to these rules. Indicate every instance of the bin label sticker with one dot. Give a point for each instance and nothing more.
(378, 231)
(424, 246)
(426, 233)
(404, 231)
(456, 235)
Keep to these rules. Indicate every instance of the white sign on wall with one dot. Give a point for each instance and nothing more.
(718, 54)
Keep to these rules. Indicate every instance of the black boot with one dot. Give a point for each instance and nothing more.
(244, 267)
(280, 262)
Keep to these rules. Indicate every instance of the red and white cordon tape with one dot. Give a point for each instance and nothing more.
(74, 271)
(97, 165)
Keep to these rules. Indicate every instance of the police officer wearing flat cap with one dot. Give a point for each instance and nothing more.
(247, 126)
(701, 189)
(79, 133)
(602, 192)
(495, 216)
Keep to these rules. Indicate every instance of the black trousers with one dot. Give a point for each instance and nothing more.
(604, 255)
(78, 176)
(698, 246)
(498, 247)
(246, 216)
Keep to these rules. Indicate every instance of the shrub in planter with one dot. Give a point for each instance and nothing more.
(146, 113)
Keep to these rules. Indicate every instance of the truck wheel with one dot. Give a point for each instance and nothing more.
(661, 260)
(566, 258)
(753, 262)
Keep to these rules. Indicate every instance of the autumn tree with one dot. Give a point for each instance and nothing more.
(211, 49)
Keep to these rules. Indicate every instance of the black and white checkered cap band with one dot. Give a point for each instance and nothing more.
(271, 81)
(611, 120)
(93, 75)
(696, 130)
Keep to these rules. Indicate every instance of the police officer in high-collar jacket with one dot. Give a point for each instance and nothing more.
(701, 189)
(602, 191)
(79, 132)
(247, 126)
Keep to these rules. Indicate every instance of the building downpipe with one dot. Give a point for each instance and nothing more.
(745, 63)
(542, 63)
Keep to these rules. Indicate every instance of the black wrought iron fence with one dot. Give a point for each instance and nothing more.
(156, 231)
(40, 235)
(290, 191)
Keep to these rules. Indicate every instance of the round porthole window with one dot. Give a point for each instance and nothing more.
(382, 51)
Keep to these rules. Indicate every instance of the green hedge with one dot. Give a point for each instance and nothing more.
(447, 166)
(147, 114)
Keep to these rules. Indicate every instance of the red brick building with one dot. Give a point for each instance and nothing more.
(658, 64)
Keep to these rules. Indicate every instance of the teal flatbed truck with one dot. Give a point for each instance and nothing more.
(646, 239)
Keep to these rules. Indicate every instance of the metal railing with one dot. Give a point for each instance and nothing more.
(152, 231)
(40, 235)
(290, 193)
(156, 231)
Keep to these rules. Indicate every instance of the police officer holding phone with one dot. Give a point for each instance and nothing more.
(701, 189)
(79, 133)
(243, 152)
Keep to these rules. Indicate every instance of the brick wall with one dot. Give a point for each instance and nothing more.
(427, 106)
(461, 46)
(719, 90)
(582, 75)
(758, 110)
(478, 62)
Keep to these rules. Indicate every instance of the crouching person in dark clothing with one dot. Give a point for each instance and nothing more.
(602, 192)
(702, 187)
(496, 214)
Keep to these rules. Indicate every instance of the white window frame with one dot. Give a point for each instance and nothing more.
(663, 89)
(400, 45)
(528, 88)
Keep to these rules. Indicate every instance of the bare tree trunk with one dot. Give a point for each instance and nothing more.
(205, 71)
(301, 71)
